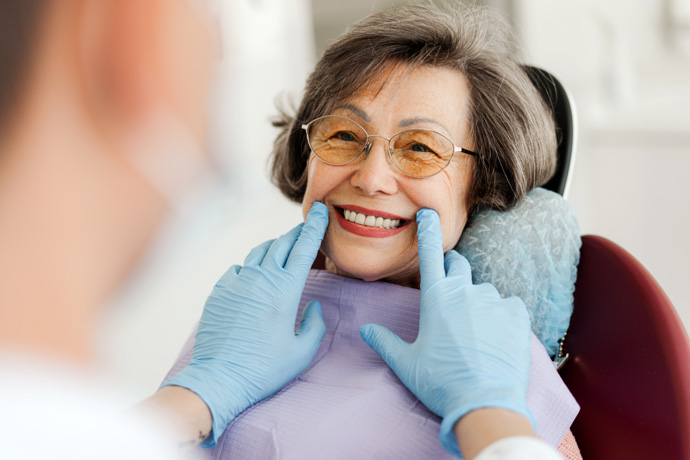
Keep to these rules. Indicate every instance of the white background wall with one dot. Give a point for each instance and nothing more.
(628, 66)
(626, 62)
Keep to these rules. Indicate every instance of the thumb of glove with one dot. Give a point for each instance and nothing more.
(384, 342)
(311, 329)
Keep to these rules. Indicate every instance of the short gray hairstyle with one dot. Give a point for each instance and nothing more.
(512, 129)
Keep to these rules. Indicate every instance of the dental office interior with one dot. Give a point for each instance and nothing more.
(626, 65)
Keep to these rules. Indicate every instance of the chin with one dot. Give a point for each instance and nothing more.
(353, 268)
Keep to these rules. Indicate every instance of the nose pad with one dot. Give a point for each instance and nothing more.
(367, 149)
(387, 150)
(374, 175)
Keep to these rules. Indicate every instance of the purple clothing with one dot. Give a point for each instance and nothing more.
(349, 403)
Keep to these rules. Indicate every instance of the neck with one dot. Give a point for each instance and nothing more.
(409, 281)
(44, 307)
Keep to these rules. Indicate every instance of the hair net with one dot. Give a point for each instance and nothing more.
(532, 252)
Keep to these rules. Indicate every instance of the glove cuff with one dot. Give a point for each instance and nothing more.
(447, 435)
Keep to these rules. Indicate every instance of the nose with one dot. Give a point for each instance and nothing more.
(374, 174)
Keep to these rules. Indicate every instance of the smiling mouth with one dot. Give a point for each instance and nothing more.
(368, 220)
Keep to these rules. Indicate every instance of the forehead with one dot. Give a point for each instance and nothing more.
(404, 92)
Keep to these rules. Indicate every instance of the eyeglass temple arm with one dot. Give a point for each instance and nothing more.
(469, 152)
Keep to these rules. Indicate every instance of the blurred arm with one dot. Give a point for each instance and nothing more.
(188, 417)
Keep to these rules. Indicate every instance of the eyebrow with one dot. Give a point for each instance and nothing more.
(403, 123)
(414, 121)
(356, 110)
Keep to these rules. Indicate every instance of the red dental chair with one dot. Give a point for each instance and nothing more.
(629, 363)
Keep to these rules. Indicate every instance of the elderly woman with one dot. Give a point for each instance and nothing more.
(412, 108)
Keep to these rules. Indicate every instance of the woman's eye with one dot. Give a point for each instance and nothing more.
(417, 147)
(421, 150)
(345, 136)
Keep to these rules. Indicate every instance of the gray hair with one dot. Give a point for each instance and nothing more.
(513, 130)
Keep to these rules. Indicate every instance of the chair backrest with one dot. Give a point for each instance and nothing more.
(561, 104)
(629, 365)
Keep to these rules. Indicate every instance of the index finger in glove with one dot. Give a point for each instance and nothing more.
(229, 275)
(256, 255)
(304, 251)
(430, 244)
(279, 251)
(457, 266)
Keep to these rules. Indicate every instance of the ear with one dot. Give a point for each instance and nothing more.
(117, 55)
(144, 56)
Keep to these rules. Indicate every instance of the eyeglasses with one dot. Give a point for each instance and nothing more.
(415, 152)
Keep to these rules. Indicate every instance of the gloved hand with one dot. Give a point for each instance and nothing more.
(473, 347)
(246, 348)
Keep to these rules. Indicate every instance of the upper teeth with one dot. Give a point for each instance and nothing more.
(371, 221)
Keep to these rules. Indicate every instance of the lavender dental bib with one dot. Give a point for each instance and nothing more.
(349, 404)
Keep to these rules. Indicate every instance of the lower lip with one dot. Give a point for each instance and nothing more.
(363, 230)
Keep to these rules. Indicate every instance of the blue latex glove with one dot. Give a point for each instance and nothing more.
(473, 347)
(246, 348)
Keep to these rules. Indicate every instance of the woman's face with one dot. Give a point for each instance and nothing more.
(426, 97)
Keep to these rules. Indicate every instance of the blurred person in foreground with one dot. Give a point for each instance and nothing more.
(102, 117)
(102, 120)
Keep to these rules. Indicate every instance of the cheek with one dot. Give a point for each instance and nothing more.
(449, 197)
(453, 227)
(190, 59)
(309, 195)
(321, 179)
(457, 212)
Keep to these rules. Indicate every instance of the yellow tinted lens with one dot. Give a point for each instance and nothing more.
(336, 140)
(420, 152)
